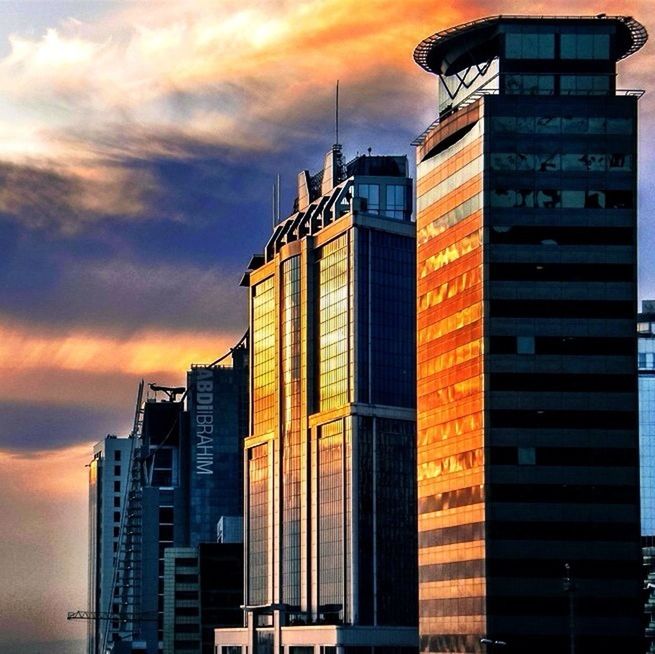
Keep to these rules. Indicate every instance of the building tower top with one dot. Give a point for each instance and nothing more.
(457, 48)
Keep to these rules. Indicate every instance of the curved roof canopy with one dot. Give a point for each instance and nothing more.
(456, 48)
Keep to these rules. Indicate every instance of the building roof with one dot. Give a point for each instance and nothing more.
(476, 38)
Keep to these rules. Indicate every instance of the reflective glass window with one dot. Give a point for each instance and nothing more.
(585, 46)
(371, 193)
(529, 46)
(529, 84)
(258, 524)
(333, 317)
(584, 84)
(291, 430)
(263, 368)
(395, 201)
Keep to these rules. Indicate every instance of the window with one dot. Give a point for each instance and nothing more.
(117, 487)
(527, 456)
(117, 455)
(117, 532)
(117, 470)
(371, 193)
(584, 84)
(395, 201)
(529, 46)
(585, 46)
(117, 502)
(529, 84)
(117, 516)
(525, 344)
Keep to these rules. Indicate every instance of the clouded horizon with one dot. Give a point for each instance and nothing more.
(138, 146)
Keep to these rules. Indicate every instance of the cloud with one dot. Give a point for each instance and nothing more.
(24, 348)
(100, 104)
(35, 426)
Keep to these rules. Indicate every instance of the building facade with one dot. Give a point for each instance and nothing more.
(218, 422)
(527, 389)
(108, 475)
(330, 524)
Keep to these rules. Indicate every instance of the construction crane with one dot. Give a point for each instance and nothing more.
(103, 615)
(129, 617)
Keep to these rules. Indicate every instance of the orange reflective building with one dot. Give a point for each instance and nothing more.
(527, 396)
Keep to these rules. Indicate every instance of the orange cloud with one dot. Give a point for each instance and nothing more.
(23, 348)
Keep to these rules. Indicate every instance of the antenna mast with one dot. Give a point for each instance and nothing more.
(336, 115)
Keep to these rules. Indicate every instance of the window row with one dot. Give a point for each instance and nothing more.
(554, 161)
(533, 45)
(561, 125)
(504, 198)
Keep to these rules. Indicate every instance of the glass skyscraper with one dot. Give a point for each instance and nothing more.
(330, 469)
(527, 385)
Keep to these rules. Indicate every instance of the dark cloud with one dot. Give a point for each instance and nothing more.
(28, 426)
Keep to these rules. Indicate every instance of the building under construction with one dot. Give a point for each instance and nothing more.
(179, 474)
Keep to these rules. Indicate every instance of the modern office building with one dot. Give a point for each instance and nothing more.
(527, 384)
(330, 517)
(107, 482)
(646, 365)
(218, 422)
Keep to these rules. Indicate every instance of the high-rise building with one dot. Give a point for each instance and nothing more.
(527, 385)
(108, 472)
(218, 422)
(330, 518)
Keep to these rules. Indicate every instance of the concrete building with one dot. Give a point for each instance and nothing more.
(330, 521)
(108, 475)
(203, 590)
(527, 384)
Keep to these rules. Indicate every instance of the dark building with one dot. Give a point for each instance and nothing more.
(330, 518)
(163, 522)
(218, 422)
(527, 384)
(203, 590)
(108, 476)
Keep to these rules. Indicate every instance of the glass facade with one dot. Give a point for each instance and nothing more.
(334, 346)
(333, 334)
(292, 430)
(527, 430)
(450, 393)
(258, 525)
(331, 540)
(263, 357)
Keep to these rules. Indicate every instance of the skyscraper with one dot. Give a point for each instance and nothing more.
(527, 392)
(330, 524)
(108, 476)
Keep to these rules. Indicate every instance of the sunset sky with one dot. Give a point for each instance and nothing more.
(138, 145)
